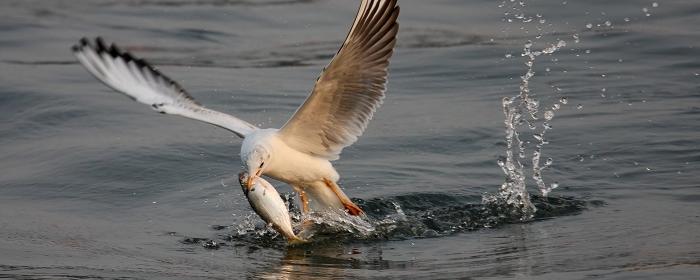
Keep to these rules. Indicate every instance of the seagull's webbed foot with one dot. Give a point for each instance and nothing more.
(350, 206)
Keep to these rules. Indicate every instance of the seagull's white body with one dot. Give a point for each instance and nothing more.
(285, 162)
(301, 170)
(336, 113)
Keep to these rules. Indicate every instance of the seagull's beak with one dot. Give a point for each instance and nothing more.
(244, 180)
(252, 175)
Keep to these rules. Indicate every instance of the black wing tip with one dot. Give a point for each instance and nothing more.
(100, 47)
(82, 43)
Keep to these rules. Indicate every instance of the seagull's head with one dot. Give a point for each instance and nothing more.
(255, 162)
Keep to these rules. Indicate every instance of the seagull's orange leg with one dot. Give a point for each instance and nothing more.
(305, 223)
(304, 202)
(352, 208)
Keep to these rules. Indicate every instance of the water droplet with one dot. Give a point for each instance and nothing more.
(556, 106)
(608, 23)
(579, 106)
(603, 89)
(589, 25)
(576, 38)
(654, 4)
(563, 100)
(626, 19)
(547, 69)
(548, 115)
(588, 51)
(549, 161)
(554, 185)
(645, 9)
(509, 55)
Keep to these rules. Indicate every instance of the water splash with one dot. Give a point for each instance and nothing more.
(523, 110)
(424, 215)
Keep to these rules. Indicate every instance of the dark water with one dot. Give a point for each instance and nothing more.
(93, 185)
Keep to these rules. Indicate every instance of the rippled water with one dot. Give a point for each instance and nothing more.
(95, 186)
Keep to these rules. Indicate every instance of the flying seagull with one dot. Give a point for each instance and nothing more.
(335, 114)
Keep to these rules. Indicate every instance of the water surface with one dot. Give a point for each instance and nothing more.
(93, 185)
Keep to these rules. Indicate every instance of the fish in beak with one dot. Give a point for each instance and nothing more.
(267, 203)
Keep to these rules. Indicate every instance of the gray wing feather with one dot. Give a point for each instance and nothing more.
(351, 87)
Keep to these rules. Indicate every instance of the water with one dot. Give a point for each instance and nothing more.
(95, 186)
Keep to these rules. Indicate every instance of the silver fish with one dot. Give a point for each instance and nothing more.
(268, 204)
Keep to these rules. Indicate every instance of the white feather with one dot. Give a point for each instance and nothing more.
(143, 83)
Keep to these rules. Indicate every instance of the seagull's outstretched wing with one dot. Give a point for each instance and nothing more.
(140, 81)
(350, 88)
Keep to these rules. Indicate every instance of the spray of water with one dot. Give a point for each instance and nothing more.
(523, 110)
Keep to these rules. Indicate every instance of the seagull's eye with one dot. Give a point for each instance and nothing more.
(261, 164)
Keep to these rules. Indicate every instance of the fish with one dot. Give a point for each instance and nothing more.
(267, 203)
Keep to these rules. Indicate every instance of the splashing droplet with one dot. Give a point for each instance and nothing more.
(548, 115)
(608, 23)
(589, 25)
(563, 100)
(579, 106)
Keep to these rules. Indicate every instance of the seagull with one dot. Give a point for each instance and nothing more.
(344, 98)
